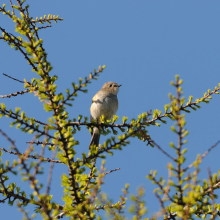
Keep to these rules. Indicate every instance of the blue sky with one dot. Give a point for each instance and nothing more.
(144, 44)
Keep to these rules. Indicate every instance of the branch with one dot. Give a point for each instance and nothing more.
(111, 171)
(204, 155)
(24, 199)
(15, 116)
(36, 157)
(152, 178)
(39, 142)
(17, 196)
(211, 188)
(19, 46)
(164, 152)
(152, 121)
(14, 78)
(161, 204)
(50, 172)
(79, 88)
(90, 176)
(12, 8)
(43, 27)
(15, 94)
(41, 20)
(106, 149)
(211, 191)
(23, 122)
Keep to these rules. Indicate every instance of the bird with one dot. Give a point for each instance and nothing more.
(104, 103)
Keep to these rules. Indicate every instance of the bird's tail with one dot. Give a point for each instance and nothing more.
(95, 137)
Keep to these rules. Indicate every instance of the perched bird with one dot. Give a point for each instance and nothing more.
(105, 102)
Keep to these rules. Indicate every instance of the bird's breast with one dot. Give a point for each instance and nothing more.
(106, 106)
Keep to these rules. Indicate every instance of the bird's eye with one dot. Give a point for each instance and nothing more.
(110, 85)
(115, 86)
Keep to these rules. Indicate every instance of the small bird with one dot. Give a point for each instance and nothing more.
(105, 102)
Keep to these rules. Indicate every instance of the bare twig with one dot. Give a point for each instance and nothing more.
(204, 155)
(30, 156)
(168, 182)
(161, 204)
(15, 94)
(13, 78)
(50, 172)
(111, 171)
(43, 27)
(26, 91)
(8, 138)
(12, 8)
(164, 152)
(36, 169)
(25, 213)
(39, 142)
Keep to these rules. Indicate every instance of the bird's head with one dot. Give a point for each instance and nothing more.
(111, 87)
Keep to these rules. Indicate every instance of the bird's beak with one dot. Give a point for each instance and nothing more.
(119, 85)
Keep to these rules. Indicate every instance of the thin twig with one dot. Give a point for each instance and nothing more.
(50, 172)
(24, 199)
(204, 155)
(13, 78)
(15, 115)
(39, 142)
(46, 20)
(12, 8)
(90, 176)
(111, 171)
(19, 46)
(29, 84)
(43, 27)
(41, 154)
(164, 152)
(161, 187)
(15, 94)
(212, 194)
(122, 141)
(30, 156)
(23, 122)
(161, 204)
(168, 182)
(8, 138)
(25, 213)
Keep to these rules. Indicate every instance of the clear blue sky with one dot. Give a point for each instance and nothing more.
(144, 44)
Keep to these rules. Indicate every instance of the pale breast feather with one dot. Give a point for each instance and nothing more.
(103, 104)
